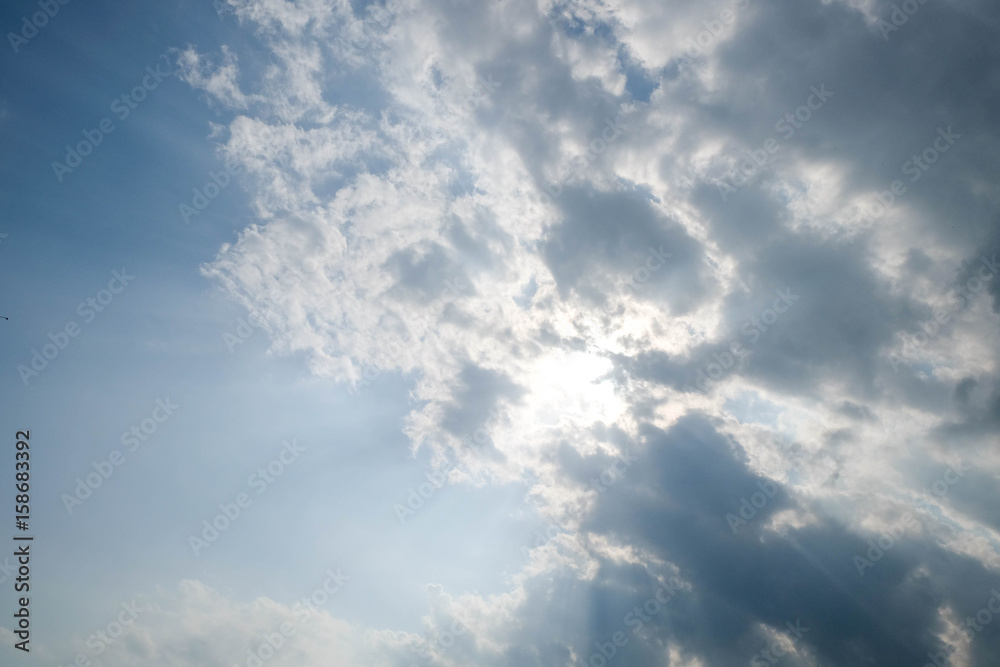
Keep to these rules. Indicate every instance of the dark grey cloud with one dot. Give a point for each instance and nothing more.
(480, 394)
(674, 504)
(606, 237)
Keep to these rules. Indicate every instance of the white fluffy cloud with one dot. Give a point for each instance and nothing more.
(491, 217)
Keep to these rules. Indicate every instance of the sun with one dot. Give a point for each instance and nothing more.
(574, 387)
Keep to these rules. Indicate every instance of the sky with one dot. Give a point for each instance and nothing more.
(515, 333)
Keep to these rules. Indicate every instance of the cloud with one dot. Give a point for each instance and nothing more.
(196, 624)
(469, 219)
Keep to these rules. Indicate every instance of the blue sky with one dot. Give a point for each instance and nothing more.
(539, 230)
(163, 337)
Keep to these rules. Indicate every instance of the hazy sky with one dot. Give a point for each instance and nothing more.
(503, 333)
